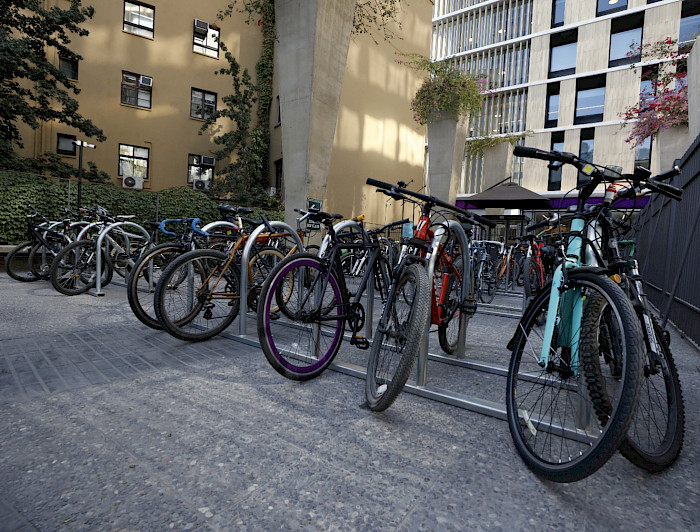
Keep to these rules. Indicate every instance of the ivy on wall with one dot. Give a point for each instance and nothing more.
(49, 196)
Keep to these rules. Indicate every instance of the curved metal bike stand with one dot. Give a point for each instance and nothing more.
(244, 266)
(100, 239)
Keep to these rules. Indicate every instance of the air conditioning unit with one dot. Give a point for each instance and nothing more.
(200, 184)
(208, 161)
(132, 182)
(146, 81)
(201, 26)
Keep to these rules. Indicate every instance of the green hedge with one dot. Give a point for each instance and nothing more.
(48, 196)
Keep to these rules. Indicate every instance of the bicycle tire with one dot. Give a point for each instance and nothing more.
(553, 446)
(74, 269)
(142, 280)
(448, 328)
(655, 437)
(387, 374)
(39, 267)
(17, 265)
(261, 263)
(486, 288)
(184, 304)
(289, 339)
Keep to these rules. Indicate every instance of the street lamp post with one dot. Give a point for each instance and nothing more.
(81, 144)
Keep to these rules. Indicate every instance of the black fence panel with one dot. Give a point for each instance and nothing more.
(668, 248)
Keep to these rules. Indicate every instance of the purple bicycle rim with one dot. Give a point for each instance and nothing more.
(336, 337)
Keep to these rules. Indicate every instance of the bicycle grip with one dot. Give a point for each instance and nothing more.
(534, 153)
(666, 189)
(538, 225)
(379, 184)
(668, 174)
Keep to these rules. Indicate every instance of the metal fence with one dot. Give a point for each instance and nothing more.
(669, 248)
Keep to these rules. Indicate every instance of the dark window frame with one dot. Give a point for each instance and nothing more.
(621, 5)
(555, 23)
(586, 135)
(131, 91)
(135, 157)
(646, 163)
(146, 29)
(554, 176)
(201, 107)
(72, 138)
(200, 168)
(622, 25)
(556, 40)
(69, 67)
(553, 89)
(688, 11)
(212, 47)
(585, 84)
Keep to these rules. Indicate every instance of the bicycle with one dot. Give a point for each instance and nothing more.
(306, 304)
(442, 253)
(655, 437)
(31, 260)
(198, 294)
(484, 283)
(551, 388)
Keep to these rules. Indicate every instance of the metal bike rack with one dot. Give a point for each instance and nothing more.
(244, 266)
(100, 239)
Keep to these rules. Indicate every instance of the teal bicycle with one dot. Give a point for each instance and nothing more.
(555, 381)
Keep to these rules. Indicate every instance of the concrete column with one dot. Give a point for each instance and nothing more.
(313, 41)
(694, 90)
(446, 140)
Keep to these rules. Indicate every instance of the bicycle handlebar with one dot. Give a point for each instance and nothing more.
(430, 199)
(193, 225)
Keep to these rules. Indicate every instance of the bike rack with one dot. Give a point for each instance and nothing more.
(100, 239)
(244, 266)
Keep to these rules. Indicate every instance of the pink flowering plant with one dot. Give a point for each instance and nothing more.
(446, 92)
(667, 104)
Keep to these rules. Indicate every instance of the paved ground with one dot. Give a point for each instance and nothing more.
(108, 425)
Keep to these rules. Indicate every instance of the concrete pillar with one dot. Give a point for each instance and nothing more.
(313, 41)
(694, 90)
(446, 138)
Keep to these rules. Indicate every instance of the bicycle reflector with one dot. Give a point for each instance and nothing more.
(588, 169)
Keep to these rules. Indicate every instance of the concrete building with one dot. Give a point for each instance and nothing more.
(560, 71)
(147, 79)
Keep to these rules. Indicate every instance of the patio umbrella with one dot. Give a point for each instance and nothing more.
(509, 196)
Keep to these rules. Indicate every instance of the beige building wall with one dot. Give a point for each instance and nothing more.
(168, 58)
(376, 135)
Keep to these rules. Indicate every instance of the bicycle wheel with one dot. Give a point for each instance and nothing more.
(17, 263)
(302, 341)
(142, 280)
(448, 328)
(398, 336)
(485, 285)
(41, 256)
(196, 296)
(261, 265)
(551, 416)
(74, 269)
(655, 437)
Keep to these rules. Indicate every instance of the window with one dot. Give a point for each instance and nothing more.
(590, 100)
(562, 54)
(642, 154)
(205, 39)
(68, 67)
(625, 40)
(610, 6)
(65, 145)
(647, 87)
(139, 18)
(136, 89)
(202, 104)
(690, 21)
(558, 13)
(554, 182)
(552, 116)
(200, 167)
(133, 161)
(585, 152)
(278, 175)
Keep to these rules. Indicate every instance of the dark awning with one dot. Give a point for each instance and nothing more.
(508, 196)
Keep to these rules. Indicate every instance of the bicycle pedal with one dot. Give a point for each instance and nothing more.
(360, 342)
(469, 307)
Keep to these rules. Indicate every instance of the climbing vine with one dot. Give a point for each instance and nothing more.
(477, 146)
